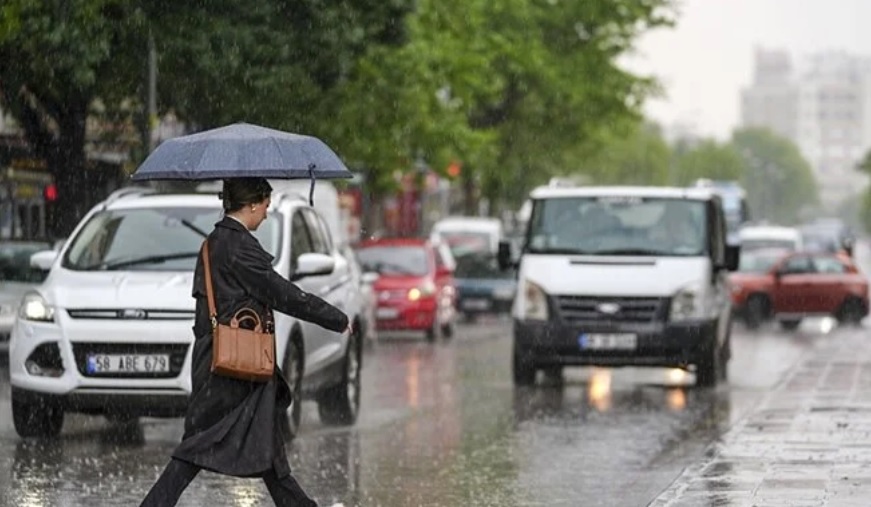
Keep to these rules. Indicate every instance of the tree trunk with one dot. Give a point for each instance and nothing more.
(470, 200)
(67, 164)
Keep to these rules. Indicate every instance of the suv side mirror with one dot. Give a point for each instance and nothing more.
(733, 257)
(313, 264)
(43, 260)
(504, 256)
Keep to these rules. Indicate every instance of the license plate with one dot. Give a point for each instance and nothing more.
(387, 313)
(620, 341)
(128, 363)
(476, 304)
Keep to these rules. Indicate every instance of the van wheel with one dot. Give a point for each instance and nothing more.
(293, 370)
(756, 311)
(340, 404)
(523, 369)
(36, 419)
(790, 324)
(852, 311)
(708, 370)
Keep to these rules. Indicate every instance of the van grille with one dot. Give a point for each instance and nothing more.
(580, 309)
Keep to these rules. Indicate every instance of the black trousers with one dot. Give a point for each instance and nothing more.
(285, 491)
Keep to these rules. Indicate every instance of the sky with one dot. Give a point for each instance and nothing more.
(705, 61)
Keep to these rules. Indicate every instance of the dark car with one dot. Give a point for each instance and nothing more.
(482, 287)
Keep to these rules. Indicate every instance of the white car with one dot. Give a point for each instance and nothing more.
(109, 331)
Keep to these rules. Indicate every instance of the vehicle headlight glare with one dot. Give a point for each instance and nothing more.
(535, 302)
(35, 308)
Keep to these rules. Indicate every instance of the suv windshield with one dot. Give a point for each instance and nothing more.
(394, 260)
(152, 239)
(15, 261)
(618, 225)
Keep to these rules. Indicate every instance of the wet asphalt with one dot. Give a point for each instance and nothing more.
(441, 424)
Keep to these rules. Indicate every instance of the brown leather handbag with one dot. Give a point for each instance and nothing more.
(245, 354)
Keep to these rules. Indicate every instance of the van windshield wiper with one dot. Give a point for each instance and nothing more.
(151, 259)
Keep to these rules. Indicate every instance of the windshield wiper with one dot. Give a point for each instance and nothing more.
(195, 228)
(151, 259)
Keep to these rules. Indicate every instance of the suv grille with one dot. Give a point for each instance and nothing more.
(579, 309)
(176, 352)
(129, 314)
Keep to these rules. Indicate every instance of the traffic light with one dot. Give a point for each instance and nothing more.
(49, 193)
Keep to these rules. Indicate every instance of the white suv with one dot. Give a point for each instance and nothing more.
(109, 331)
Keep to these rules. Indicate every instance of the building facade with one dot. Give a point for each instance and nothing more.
(823, 104)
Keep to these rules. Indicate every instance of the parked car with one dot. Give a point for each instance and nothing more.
(483, 288)
(17, 278)
(109, 331)
(790, 287)
(415, 288)
(770, 236)
(623, 276)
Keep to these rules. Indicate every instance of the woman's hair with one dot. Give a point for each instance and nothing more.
(241, 192)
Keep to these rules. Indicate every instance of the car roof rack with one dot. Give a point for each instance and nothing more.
(130, 191)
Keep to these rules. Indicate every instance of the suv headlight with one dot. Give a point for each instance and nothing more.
(35, 308)
(687, 304)
(535, 302)
(428, 288)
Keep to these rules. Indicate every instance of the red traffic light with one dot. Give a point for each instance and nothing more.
(50, 192)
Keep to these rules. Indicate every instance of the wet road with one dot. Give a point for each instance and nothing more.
(441, 424)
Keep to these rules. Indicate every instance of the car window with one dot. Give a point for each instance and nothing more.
(15, 262)
(300, 241)
(153, 239)
(316, 233)
(797, 265)
(394, 260)
(325, 230)
(829, 265)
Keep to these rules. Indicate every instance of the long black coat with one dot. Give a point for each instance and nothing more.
(233, 426)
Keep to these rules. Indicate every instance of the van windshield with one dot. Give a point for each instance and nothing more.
(618, 225)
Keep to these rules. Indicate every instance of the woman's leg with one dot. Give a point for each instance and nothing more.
(286, 492)
(171, 484)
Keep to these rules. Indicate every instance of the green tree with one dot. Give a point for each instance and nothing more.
(779, 181)
(708, 159)
(513, 88)
(63, 62)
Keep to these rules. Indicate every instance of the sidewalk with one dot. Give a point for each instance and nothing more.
(808, 443)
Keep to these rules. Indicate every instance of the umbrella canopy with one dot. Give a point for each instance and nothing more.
(242, 150)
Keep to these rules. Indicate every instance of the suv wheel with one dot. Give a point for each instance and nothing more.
(36, 419)
(293, 374)
(340, 404)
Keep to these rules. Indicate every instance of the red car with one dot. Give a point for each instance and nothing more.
(415, 288)
(790, 286)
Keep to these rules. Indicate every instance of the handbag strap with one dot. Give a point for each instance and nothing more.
(210, 293)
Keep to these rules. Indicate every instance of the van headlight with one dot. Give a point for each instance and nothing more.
(687, 304)
(535, 302)
(35, 308)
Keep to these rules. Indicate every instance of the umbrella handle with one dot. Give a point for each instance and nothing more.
(311, 191)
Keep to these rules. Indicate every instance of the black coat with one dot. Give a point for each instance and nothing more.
(233, 426)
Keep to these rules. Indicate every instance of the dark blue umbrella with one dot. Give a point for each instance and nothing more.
(242, 150)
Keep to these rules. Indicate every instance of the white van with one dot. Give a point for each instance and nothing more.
(770, 236)
(464, 234)
(623, 276)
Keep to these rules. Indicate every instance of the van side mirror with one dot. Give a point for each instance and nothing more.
(43, 260)
(505, 256)
(733, 257)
